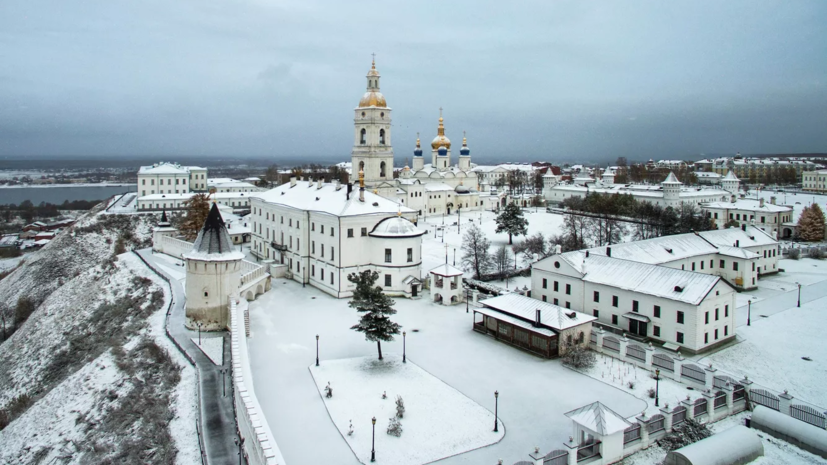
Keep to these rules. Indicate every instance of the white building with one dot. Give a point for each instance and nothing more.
(669, 193)
(685, 310)
(769, 217)
(171, 178)
(446, 284)
(323, 232)
(232, 186)
(814, 181)
(235, 200)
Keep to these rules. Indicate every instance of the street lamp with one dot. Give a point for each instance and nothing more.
(239, 444)
(496, 404)
(799, 295)
(223, 384)
(404, 359)
(458, 218)
(317, 350)
(657, 387)
(199, 324)
(373, 441)
(749, 311)
(455, 256)
(467, 298)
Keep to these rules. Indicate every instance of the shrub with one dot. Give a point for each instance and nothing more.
(631, 384)
(394, 427)
(579, 357)
(686, 433)
(651, 393)
(794, 254)
(816, 253)
(400, 407)
(24, 309)
(16, 407)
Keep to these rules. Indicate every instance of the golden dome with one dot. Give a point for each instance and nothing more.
(440, 140)
(373, 71)
(373, 99)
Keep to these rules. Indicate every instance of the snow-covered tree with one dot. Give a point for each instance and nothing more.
(400, 407)
(475, 254)
(811, 224)
(394, 427)
(511, 221)
(197, 208)
(502, 259)
(376, 308)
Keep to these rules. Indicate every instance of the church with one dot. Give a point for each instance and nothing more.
(435, 188)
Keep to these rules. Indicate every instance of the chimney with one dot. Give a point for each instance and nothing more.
(732, 198)
(743, 227)
(737, 243)
(558, 249)
(608, 251)
(349, 190)
(319, 183)
(772, 200)
(587, 254)
(537, 317)
(292, 181)
(761, 203)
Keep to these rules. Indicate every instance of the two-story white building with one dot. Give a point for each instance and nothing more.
(323, 232)
(171, 178)
(684, 310)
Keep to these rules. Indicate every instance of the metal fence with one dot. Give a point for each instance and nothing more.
(739, 393)
(631, 433)
(765, 398)
(720, 400)
(808, 414)
(636, 352)
(657, 423)
(588, 451)
(664, 362)
(720, 381)
(611, 343)
(693, 372)
(593, 337)
(678, 415)
(699, 408)
(556, 457)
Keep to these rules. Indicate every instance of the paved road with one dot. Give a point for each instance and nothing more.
(218, 413)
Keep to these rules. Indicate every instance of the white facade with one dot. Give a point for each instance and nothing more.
(323, 232)
(683, 309)
(814, 181)
(446, 285)
(235, 200)
(169, 178)
(767, 216)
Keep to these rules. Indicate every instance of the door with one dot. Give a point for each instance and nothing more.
(638, 327)
(413, 291)
(449, 210)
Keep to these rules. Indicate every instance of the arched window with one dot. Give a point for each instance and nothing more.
(361, 166)
(363, 136)
(382, 137)
(382, 169)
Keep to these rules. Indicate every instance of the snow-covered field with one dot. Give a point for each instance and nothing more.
(438, 421)
(213, 348)
(534, 392)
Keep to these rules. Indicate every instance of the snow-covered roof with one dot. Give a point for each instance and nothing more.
(212, 181)
(187, 195)
(671, 179)
(552, 316)
(229, 184)
(213, 240)
(707, 174)
(164, 168)
(396, 226)
(730, 176)
(738, 444)
(598, 418)
(446, 270)
(751, 236)
(437, 187)
(329, 199)
(514, 321)
(789, 426)
(748, 204)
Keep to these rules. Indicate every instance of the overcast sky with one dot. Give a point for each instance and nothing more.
(550, 80)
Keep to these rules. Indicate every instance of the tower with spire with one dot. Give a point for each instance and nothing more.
(441, 147)
(372, 150)
(464, 155)
(418, 160)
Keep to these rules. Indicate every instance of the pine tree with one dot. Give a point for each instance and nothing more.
(198, 207)
(376, 306)
(811, 223)
(511, 221)
(475, 253)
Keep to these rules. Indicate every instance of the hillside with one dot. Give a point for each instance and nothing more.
(89, 376)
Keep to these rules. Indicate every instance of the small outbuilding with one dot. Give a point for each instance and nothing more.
(446, 284)
(735, 446)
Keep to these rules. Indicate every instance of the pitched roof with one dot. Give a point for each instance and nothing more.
(446, 270)
(752, 236)
(213, 239)
(552, 316)
(671, 179)
(329, 199)
(599, 418)
(730, 176)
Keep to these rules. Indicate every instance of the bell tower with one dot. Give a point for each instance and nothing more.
(372, 151)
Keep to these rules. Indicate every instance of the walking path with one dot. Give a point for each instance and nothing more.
(217, 410)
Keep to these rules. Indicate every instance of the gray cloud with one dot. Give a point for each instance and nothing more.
(531, 80)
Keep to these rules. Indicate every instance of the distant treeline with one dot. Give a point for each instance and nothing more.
(29, 211)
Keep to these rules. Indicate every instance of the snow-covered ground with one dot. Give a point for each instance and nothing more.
(9, 263)
(534, 392)
(438, 421)
(213, 348)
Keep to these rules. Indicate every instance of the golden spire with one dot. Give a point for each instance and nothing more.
(441, 129)
(464, 140)
(362, 179)
(399, 210)
(417, 140)
(373, 61)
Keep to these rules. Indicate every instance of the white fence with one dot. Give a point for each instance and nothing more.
(170, 245)
(260, 447)
(251, 272)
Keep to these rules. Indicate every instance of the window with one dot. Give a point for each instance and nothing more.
(322, 247)
(312, 226)
(657, 311)
(387, 255)
(568, 304)
(556, 302)
(596, 296)
(364, 232)
(291, 222)
(363, 133)
(722, 264)
(545, 283)
(410, 255)
(387, 280)
(717, 310)
(313, 247)
(568, 289)
(680, 317)
(726, 311)
(614, 301)
(350, 232)
(297, 224)
(635, 306)
(313, 270)
(706, 318)
(706, 338)
(614, 319)
(734, 266)
(331, 278)
(693, 266)
(656, 331)
(679, 338)
(716, 334)
(702, 264)
(322, 273)
(206, 294)
(556, 286)
(332, 231)
(596, 313)
(544, 298)
(726, 330)
(332, 252)
(711, 264)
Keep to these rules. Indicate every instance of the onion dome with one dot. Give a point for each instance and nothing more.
(462, 189)
(396, 226)
(440, 140)
(464, 150)
(418, 150)
(442, 152)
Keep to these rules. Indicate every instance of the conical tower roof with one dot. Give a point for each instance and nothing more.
(730, 176)
(671, 179)
(213, 239)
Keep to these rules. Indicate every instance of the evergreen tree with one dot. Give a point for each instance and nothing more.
(197, 208)
(811, 224)
(475, 251)
(511, 221)
(376, 306)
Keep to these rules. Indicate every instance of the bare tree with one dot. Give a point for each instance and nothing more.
(272, 175)
(475, 253)
(502, 259)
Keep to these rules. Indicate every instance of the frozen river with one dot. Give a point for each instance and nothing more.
(59, 194)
